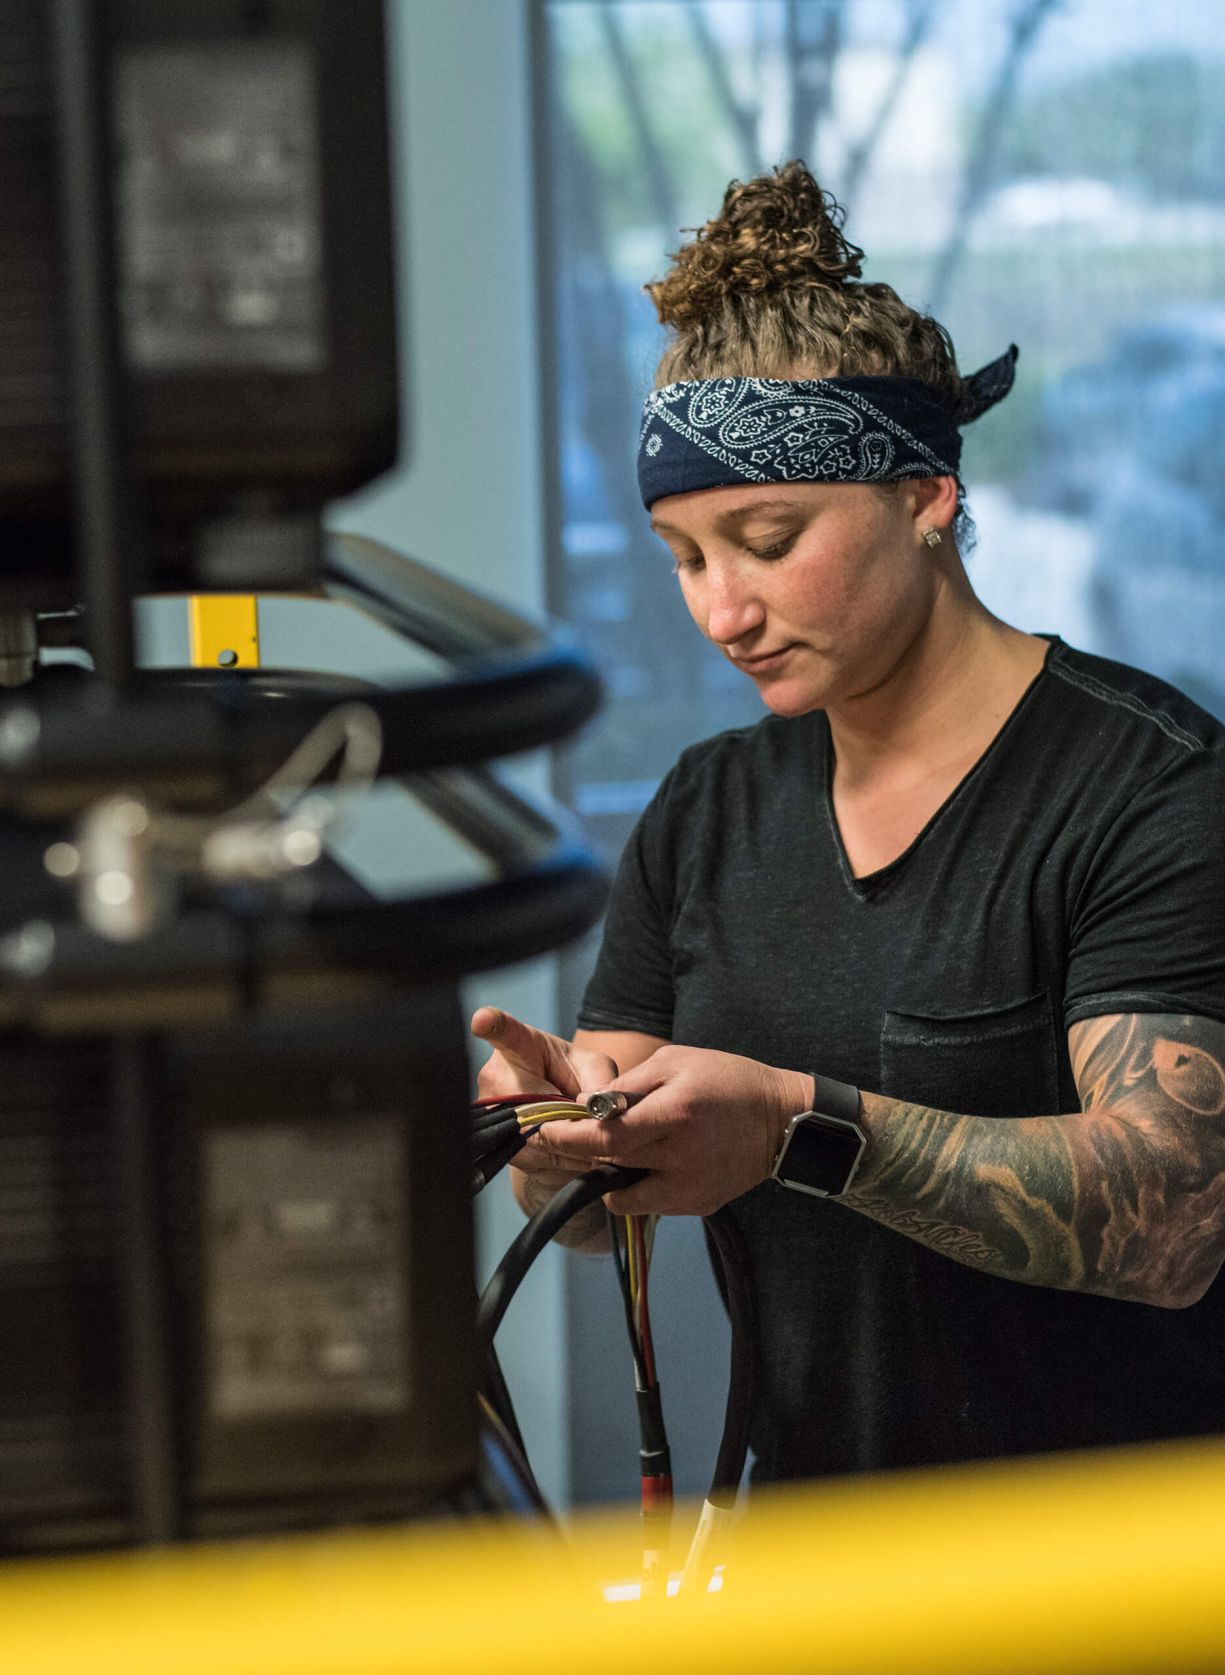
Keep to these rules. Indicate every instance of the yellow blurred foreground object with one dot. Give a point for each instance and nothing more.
(1110, 1562)
(224, 630)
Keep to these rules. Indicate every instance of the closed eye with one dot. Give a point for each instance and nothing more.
(685, 559)
(776, 549)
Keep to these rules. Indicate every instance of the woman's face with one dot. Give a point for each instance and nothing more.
(815, 590)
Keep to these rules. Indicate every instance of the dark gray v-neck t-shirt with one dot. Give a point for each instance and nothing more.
(1078, 869)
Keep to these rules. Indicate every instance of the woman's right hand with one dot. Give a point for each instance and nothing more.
(532, 1064)
(528, 1063)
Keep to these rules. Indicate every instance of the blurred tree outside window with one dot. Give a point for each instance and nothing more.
(1045, 172)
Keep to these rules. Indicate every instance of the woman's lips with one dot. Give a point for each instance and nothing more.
(763, 662)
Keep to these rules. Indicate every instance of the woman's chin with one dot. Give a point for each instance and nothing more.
(788, 698)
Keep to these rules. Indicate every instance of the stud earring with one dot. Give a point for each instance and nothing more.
(933, 537)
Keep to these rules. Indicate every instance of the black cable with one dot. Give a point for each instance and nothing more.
(493, 1161)
(735, 1278)
(623, 1283)
(654, 1455)
(737, 1288)
(492, 1116)
(497, 1393)
(654, 1460)
(544, 1226)
(517, 1479)
(485, 1139)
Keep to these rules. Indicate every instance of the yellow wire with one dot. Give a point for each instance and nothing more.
(549, 1111)
(564, 1110)
(648, 1231)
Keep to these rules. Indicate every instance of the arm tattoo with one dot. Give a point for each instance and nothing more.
(1125, 1197)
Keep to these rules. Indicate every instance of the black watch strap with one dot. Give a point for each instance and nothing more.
(834, 1099)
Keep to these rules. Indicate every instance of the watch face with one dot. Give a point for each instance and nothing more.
(821, 1155)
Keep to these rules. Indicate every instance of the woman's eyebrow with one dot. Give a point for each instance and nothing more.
(741, 514)
(734, 518)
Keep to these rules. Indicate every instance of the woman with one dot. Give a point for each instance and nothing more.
(942, 937)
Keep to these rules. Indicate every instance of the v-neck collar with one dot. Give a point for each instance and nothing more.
(872, 883)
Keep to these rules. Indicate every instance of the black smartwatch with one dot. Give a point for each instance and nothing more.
(822, 1148)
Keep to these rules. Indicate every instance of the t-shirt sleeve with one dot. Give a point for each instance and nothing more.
(1148, 928)
(631, 986)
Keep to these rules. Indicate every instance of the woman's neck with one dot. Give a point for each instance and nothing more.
(942, 703)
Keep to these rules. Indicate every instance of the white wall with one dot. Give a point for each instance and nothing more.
(468, 497)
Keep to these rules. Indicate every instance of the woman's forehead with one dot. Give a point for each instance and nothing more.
(732, 505)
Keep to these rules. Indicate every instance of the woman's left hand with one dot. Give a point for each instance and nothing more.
(708, 1126)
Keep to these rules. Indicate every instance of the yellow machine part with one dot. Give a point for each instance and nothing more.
(224, 630)
(1110, 1563)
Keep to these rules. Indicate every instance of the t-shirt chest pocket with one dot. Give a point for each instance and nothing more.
(996, 1061)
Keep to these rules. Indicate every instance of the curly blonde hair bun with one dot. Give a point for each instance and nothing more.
(771, 288)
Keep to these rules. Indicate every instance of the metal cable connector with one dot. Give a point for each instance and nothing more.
(612, 1104)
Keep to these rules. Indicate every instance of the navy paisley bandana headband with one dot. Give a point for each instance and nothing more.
(711, 432)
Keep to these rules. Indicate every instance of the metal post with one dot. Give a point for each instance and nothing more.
(106, 535)
(105, 530)
(154, 1486)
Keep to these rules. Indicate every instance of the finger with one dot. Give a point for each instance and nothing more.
(497, 1078)
(500, 1029)
(659, 1114)
(662, 1175)
(595, 1070)
(523, 1048)
(548, 1163)
(551, 1151)
(662, 1093)
(589, 1141)
(652, 1197)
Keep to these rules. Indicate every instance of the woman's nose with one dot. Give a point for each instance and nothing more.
(733, 607)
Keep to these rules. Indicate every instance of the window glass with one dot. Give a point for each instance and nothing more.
(1045, 172)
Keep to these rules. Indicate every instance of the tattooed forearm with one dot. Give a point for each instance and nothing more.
(1125, 1197)
(961, 1243)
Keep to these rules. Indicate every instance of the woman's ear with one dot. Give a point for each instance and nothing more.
(934, 502)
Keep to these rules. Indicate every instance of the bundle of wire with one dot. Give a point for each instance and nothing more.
(633, 1241)
(500, 1129)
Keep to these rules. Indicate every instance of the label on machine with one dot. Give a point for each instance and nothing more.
(219, 208)
(305, 1300)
